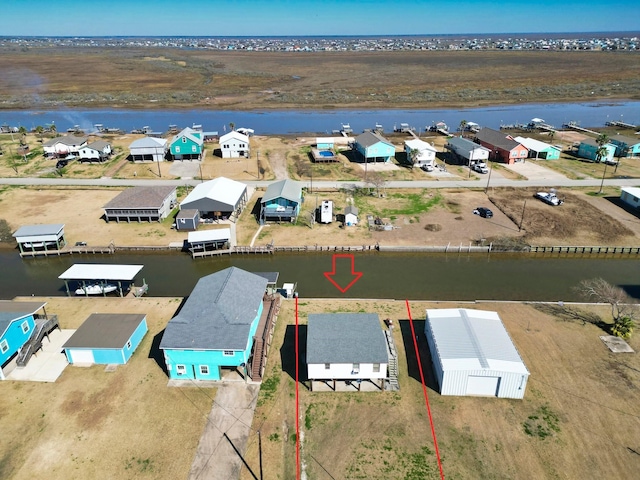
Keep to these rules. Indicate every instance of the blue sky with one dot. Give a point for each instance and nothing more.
(306, 17)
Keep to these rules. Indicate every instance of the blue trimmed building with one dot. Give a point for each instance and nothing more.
(375, 148)
(216, 326)
(17, 322)
(187, 145)
(588, 149)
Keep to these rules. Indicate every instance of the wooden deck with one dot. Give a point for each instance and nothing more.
(264, 335)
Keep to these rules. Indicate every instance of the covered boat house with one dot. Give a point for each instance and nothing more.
(100, 278)
(33, 238)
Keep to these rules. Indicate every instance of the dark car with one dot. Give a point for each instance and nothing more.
(483, 212)
(62, 163)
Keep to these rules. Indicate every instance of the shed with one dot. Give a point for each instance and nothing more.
(630, 196)
(187, 219)
(473, 354)
(351, 215)
(40, 237)
(151, 204)
(220, 197)
(106, 338)
(346, 347)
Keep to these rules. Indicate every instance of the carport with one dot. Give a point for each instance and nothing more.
(90, 274)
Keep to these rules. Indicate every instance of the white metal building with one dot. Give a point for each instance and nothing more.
(630, 196)
(220, 197)
(234, 145)
(473, 354)
(148, 149)
(426, 152)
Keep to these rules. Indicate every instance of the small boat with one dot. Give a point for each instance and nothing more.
(96, 289)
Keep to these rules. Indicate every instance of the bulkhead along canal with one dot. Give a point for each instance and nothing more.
(451, 276)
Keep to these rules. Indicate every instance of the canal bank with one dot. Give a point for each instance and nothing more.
(415, 276)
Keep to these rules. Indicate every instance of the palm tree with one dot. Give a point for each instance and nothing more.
(232, 125)
(39, 131)
(414, 153)
(601, 153)
(623, 327)
(462, 126)
(602, 139)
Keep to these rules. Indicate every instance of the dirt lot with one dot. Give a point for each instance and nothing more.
(96, 424)
(582, 395)
(250, 80)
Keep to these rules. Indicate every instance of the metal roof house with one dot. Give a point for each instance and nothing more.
(502, 147)
(281, 201)
(234, 145)
(630, 196)
(588, 149)
(152, 204)
(106, 338)
(346, 347)
(150, 149)
(62, 146)
(375, 148)
(626, 146)
(538, 149)
(426, 153)
(187, 145)
(17, 324)
(473, 354)
(98, 151)
(220, 197)
(467, 150)
(32, 238)
(216, 326)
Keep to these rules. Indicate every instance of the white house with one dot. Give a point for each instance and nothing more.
(220, 197)
(349, 348)
(63, 146)
(234, 145)
(630, 196)
(473, 354)
(98, 151)
(148, 149)
(426, 155)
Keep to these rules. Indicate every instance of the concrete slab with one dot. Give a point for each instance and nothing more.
(535, 170)
(48, 363)
(616, 344)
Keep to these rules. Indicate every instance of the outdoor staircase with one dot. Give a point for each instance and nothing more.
(392, 375)
(43, 328)
(256, 365)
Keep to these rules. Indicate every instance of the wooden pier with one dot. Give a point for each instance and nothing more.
(589, 250)
(573, 126)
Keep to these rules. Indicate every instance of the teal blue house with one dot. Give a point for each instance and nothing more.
(375, 148)
(626, 146)
(17, 322)
(106, 338)
(216, 326)
(187, 145)
(589, 147)
(281, 202)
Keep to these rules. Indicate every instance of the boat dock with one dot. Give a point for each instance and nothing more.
(621, 125)
(575, 126)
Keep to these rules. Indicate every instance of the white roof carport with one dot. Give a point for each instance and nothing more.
(100, 271)
(205, 236)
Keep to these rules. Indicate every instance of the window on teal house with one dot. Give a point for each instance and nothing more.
(181, 369)
(184, 139)
(228, 353)
(204, 369)
(129, 345)
(25, 326)
(4, 346)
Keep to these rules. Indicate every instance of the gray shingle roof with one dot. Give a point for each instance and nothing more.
(10, 311)
(345, 338)
(497, 138)
(68, 140)
(105, 330)
(464, 144)
(289, 189)
(218, 314)
(141, 197)
(98, 145)
(367, 139)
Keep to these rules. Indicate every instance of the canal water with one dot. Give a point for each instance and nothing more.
(449, 276)
(588, 114)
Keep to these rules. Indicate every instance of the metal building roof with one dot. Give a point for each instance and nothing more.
(289, 189)
(148, 142)
(38, 230)
(220, 189)
(209, 235)
(417, 144)
(345, 338)
(464, 144)
(105, 330)
(467, 339)
(533, 144)
(234, 134)
(100, 271)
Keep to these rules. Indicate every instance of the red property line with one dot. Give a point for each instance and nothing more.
(297, 360)
(424, 388)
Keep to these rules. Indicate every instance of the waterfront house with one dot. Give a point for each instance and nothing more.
(281, 201)
(588, 149)
(217, 198)
(626, 146)
(375, 148)
(467, 151)
(426, 153)
(502, 147)
(234, 145)
(215, 327)
(17, 323)
(150, 204)
(98, 151)
(631, 196)
(61, 147)
(150, 149)
(539, 150)
(345, 350)
(106, 338)
(187, 145)
(40, 237)
(473, 354)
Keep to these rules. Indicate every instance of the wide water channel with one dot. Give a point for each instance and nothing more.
(449, 276)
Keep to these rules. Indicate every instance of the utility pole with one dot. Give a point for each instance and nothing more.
(522, 218)
(258, 162)
(470, 155)
(159, 171)
(486, 190)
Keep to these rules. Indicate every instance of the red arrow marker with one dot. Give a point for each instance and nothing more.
(356, 275)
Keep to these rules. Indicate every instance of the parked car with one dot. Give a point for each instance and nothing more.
(81, 244)
(480, 168)
(62, 163)
(549, 198)
(483, 212)
(427, 168)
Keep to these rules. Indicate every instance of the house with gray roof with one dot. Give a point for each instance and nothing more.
(150, 149)
(281, 201)
(98, 151)
(215, 327)
(503, 148)
(220, 197)
(149, 204)
(61, 147)
(626, 146)
(375, 148)
(187, 145)
(346, 348)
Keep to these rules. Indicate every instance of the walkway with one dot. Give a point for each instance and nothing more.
(231, 414)
(48, 363)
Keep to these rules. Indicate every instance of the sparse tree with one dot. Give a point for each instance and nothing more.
(378, 180)
(462, 126)
(623, 309)
(39, 130)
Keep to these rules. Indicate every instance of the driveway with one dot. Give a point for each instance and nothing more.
(535, 170)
